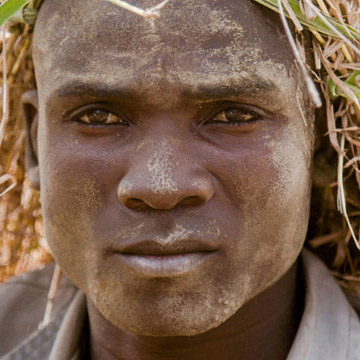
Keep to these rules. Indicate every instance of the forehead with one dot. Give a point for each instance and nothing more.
(193, 44)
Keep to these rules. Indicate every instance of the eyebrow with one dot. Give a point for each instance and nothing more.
(92, 89)
(245, 87)
(202, 92)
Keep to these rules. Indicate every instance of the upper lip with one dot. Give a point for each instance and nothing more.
(153, 247)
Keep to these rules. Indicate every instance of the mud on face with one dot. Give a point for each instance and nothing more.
(209, 139)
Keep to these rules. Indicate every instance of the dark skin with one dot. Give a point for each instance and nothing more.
(174, 167)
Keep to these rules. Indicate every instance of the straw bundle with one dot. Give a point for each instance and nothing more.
(334, 228)
(335, 46)
(20, 216)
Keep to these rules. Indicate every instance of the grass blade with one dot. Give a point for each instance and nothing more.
(316, 23)
(9, 8)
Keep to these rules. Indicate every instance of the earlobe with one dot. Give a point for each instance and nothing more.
(29, 103)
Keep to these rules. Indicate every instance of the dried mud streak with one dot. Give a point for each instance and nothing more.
(161, 167)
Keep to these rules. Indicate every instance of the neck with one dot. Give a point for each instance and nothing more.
(264, 328)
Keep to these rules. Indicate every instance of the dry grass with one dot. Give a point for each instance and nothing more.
(21, 244)
(338, 73)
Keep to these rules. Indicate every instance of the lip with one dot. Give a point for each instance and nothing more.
(164, 265)
(151, 258)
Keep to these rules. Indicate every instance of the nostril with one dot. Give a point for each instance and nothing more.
(192, 201)
(135, 204)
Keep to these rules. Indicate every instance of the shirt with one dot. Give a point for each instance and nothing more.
(329, 328)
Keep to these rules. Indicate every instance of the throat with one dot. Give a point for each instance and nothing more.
(264, 328)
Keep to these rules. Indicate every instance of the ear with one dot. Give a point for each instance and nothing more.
(29, 104)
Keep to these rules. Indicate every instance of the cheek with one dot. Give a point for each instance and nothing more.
(270, 183)
(277, 173)
(71, 197)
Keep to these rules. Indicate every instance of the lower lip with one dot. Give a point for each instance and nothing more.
(164, 265)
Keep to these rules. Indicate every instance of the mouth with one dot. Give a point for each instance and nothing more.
(154, 259)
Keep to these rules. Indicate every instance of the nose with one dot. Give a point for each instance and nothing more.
(163, 176)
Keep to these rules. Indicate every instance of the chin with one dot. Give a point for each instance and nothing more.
(181, 315)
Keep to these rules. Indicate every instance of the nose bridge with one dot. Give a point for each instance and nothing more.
(162, 174)
(162, 162)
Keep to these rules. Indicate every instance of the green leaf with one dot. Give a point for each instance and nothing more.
(350, 83)
(316, 23)
(352, 78)
(335, 91)
(9, 8)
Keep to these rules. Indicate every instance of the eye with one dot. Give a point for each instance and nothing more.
(101, 117)
(236, 116)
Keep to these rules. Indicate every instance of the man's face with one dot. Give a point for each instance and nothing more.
(174, 159)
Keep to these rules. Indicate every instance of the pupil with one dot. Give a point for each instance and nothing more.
(98, 117)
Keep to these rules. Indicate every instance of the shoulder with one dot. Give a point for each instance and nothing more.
(320, 273)
(23, 301)
(329, 327)
(354, 300)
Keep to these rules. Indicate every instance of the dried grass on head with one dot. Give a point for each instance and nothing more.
(334, 228)
(20, 215)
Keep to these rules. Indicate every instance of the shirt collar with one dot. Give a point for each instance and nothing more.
(68, 339)
(329, 328)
